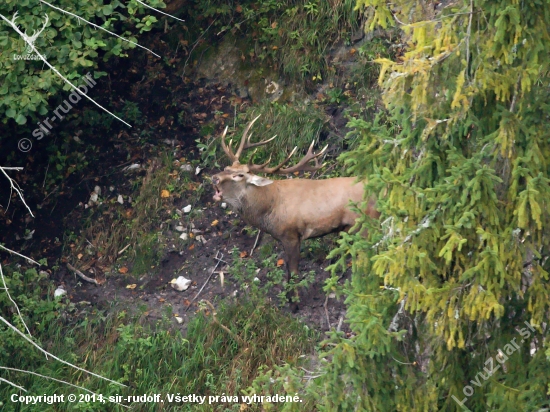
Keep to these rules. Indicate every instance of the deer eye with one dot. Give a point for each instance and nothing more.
(240, 175)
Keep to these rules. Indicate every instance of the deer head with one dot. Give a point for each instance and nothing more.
(237, 180)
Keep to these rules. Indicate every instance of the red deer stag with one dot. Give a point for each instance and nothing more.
(289, 210)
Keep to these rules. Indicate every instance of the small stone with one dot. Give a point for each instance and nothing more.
(187, 209)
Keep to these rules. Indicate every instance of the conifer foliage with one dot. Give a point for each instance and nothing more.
(449, 298)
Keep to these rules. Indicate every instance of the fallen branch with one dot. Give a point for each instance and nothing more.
(82, 275)
(256, 242)
(219, 259)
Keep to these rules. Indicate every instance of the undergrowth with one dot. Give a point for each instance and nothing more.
(292, 36)
(223, 352)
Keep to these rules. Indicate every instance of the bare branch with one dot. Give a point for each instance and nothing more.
(82, 275)
(55, 357)
(13, 384)
(161, 12)
(54, 379)
(19, 254)
(12, 301)
(15, 186)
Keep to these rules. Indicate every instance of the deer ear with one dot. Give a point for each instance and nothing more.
(257, 180)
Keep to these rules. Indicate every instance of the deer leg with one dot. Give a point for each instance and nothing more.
(292, 250)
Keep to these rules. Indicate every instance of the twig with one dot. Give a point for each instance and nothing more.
(19, 254)
(161, 12)
(15, 186)
(124, 248)
(13, 384)
(53, 379)
(207, 280)
(12, 301)
(256, 242)
(193, 48)
(53, 356)
(225, 328)
(82, 275)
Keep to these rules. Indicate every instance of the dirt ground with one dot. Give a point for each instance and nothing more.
(162, 100)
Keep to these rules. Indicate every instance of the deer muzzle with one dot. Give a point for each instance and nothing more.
(218, 192)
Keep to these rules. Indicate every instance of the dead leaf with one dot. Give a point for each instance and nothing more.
(215, 222)
(225, 115)
(162, 300)
(274, 25)
(280, 262)
(164, 193)
(243, 254)
(79, 256)
(352, 51)
(132, 286)
(123, 270)
(161, 120)
(191, 247)
(239, 9)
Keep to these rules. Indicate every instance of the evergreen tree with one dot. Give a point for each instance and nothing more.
(449, 297)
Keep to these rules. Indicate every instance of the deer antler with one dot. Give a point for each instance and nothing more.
(302, 165)
(245, 143)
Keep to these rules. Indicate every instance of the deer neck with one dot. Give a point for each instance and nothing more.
(257, 206)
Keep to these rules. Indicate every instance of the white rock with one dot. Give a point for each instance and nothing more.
(200, 238)
(179, 320)
(224, 205)
(120, 199)
(59, 292)
(256, 279)
(180, 228)
(111, 188)
(132, 167)
(97, 190)
(197, 171)
(180, 284)
(186, 168)
(93, 198)
(184, 236)
(187, 209)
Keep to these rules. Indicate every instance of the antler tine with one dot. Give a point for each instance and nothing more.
(244, 139)
(262, 169)
(227, 148)
(302, 165)
(250, 145)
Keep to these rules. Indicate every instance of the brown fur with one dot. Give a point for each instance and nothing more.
(291, 210)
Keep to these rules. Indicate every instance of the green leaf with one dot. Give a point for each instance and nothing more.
(20, 119)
